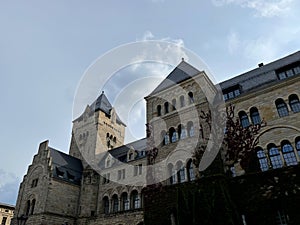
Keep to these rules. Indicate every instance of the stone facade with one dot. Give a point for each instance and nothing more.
(103, 181)
(6, 213)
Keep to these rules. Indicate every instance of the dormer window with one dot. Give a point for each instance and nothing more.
(231, 92)
(131, 154)
(288, 71)
(59, 173)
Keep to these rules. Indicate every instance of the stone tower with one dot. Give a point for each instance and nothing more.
(96, 131)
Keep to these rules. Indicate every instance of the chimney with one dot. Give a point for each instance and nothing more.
(261, 65)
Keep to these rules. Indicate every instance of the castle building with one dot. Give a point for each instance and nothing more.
(157, 179)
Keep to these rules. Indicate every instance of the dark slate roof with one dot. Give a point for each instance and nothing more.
(181, 73)
(7, 206)
(139, 145)
(120, 153)
(261, 76)
(66, 167)
(102, 104)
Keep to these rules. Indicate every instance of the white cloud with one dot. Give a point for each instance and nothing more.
(9, 185)
(266, 47)
(263, 8)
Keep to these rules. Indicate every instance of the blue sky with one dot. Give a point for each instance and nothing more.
(46, 46)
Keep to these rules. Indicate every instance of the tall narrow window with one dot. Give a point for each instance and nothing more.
(275, 157)
(32, 207)
(191, 174)
(106, 205)
(166, 107)
(4, 219)
(174, 104)
(170, 173)
(255, 117)
(297, 144)
(173, 134)
(125, 201)
(158, 110)
(263, 161)
(244, 119)
(136, 203)
(288, 153)
(27, 209)
(163, 134)
(115, 201)
(281, 108)
(191, 97)
(182, 103)
(181, 172)
(181, 132)
(294, 103)
(191, 130)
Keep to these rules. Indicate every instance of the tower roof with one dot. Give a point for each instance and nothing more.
(102, 104)
(181, 72)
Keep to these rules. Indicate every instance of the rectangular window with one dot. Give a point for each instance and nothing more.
(140, 169)
(34, 183)
(4, 220)
(121, 174)
(297, 70)
(289, 73)
(281, 75)
(135, 171)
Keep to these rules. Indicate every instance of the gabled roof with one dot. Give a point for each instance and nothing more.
(66, 167)
(181, 73)
(120, 153)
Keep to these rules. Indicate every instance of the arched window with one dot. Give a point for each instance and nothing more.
(190, 128)
(170, 173)
(294, 103)
(125, 201)
(275, 157)
(181, 132)
(182, 103)
(181, 172)
(255, 117)
(136, 202)
(115, 139)
(32, 207)
(166, 107)
(27, 208)
(158, 108)
(288, 153)
(262, 158)
(281, 108)
(163, 134)
(190, 169)
(174, 104)
(191, 97)
(244, 119)
(166, 139)
(173, 134)
(115, 203)
(297, 144)
(106, 205)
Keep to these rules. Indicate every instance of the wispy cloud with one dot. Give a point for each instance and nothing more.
(263, 8)
(266, 47)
